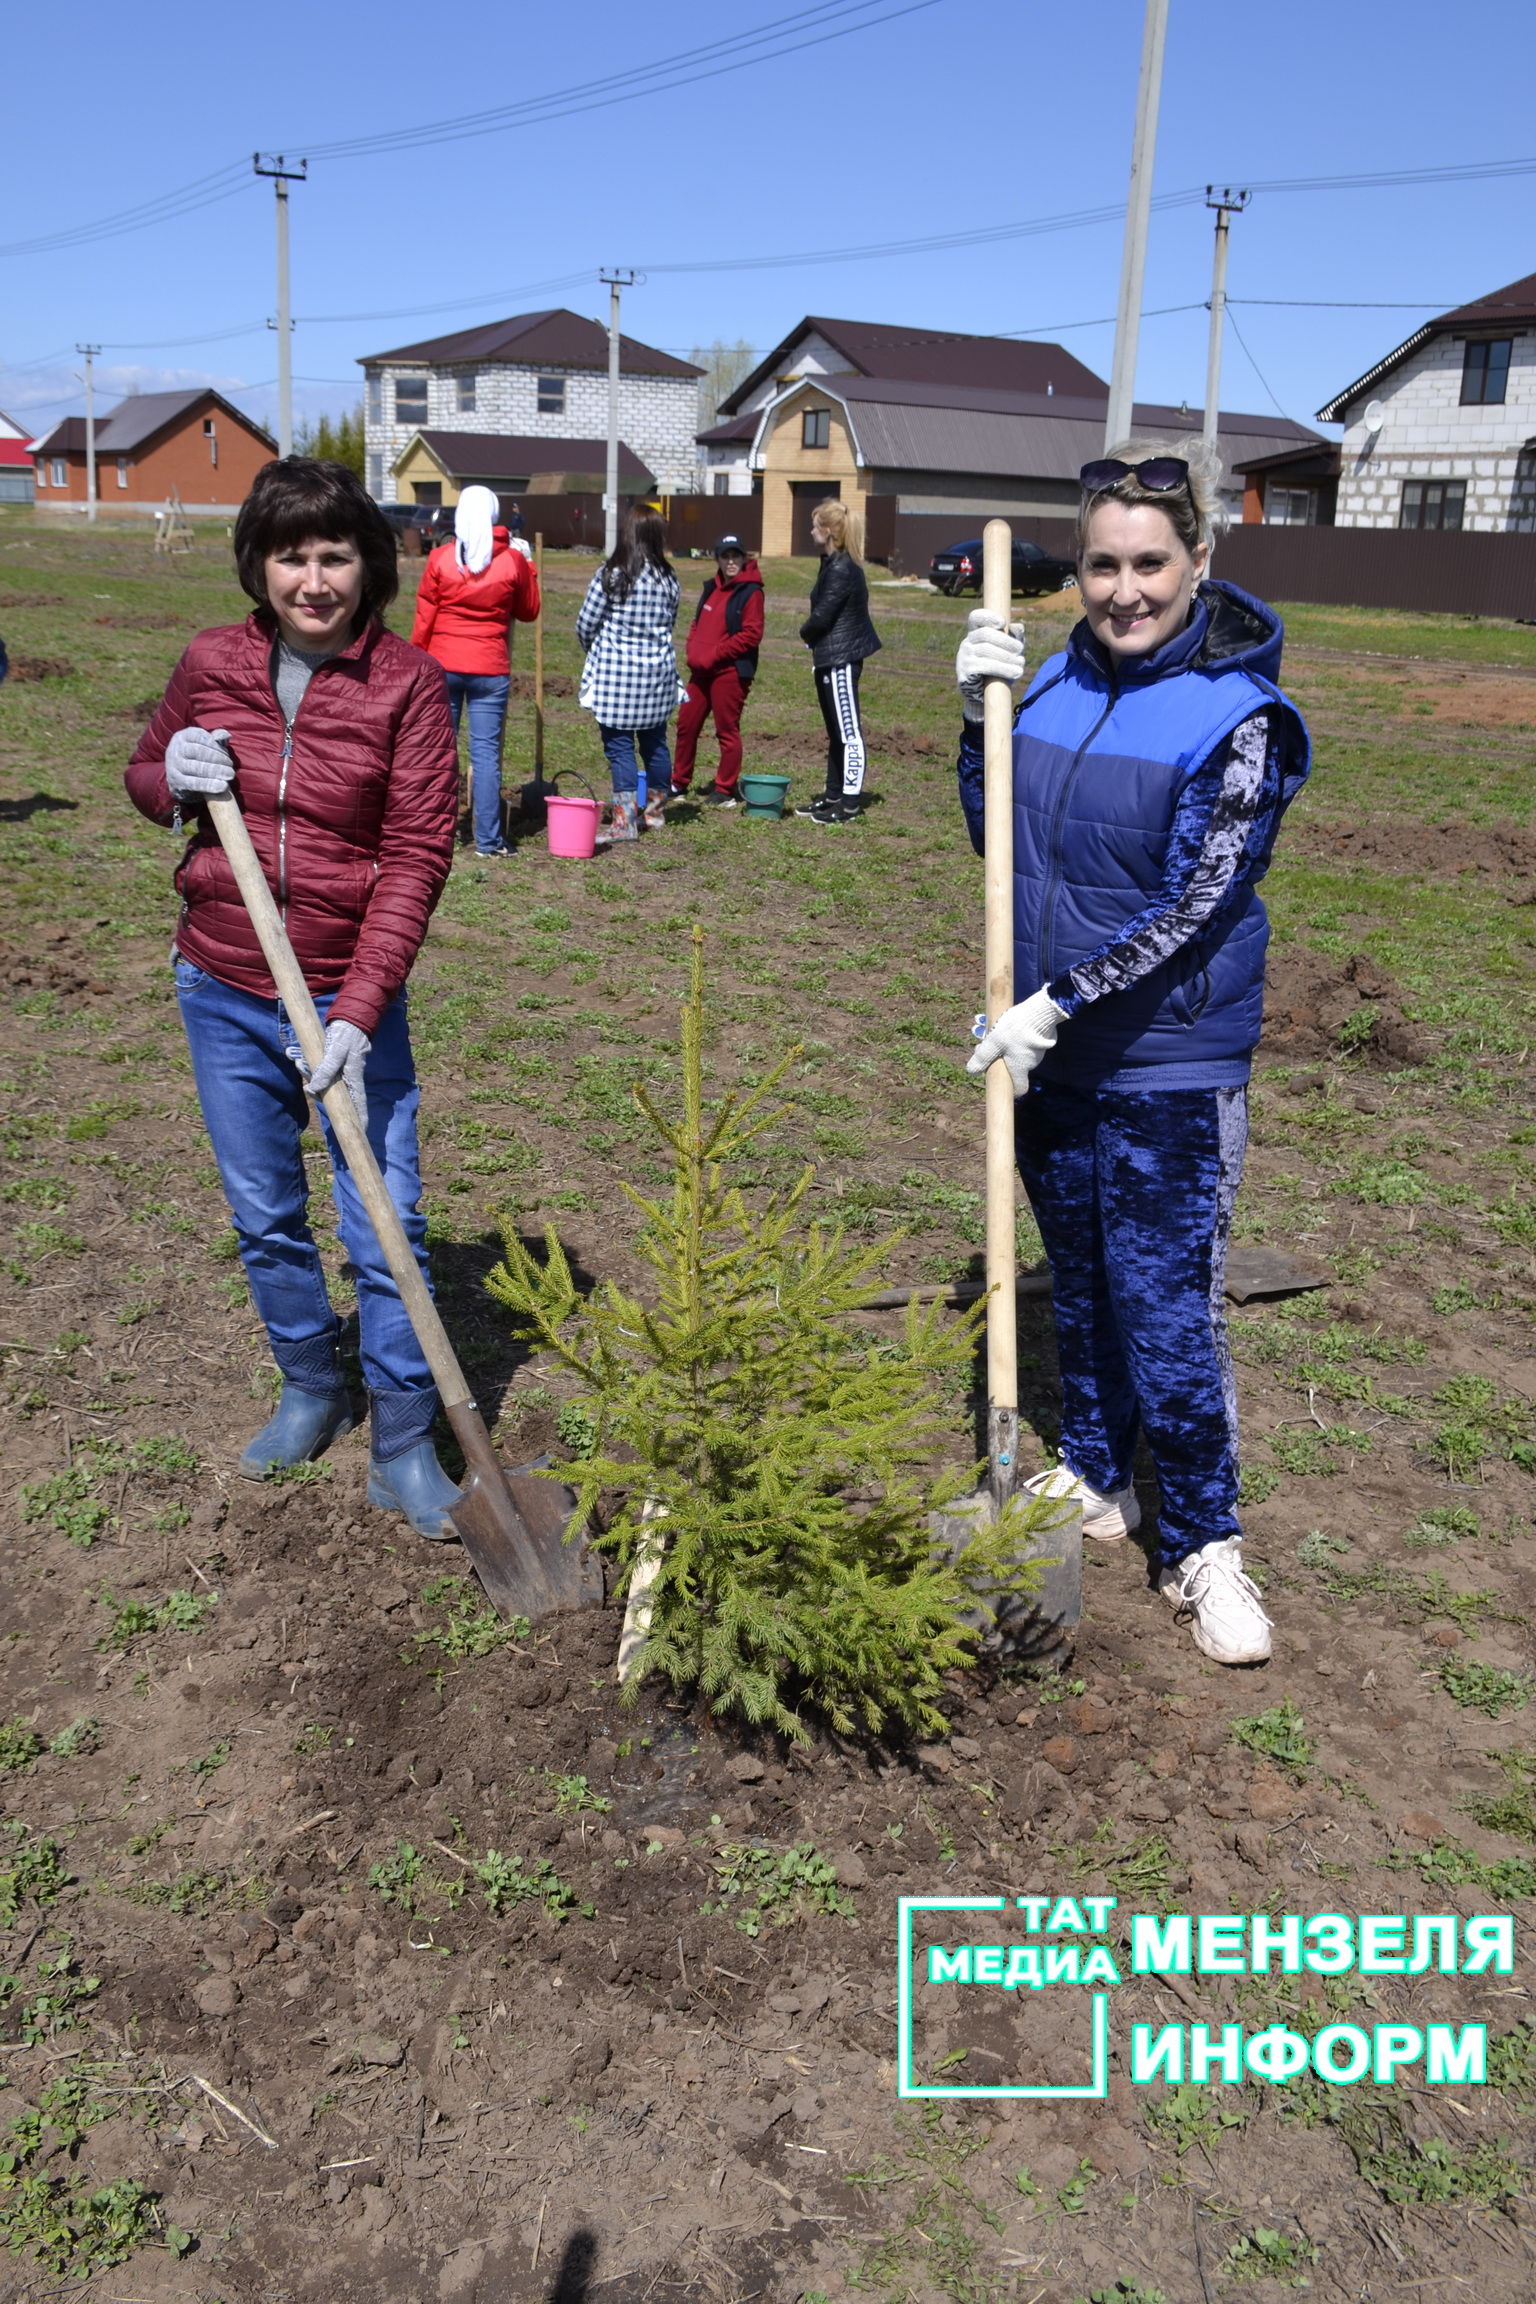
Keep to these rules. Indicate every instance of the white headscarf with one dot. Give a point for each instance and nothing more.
(475, 514)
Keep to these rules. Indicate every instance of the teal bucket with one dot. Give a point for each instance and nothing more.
(764, 795)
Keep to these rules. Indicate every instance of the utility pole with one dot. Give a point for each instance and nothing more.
(282, 176)
(614, 282)
(1226, 203)
(1138, 210)
(88, 352)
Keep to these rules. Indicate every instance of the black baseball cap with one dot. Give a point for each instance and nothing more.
(730, 544)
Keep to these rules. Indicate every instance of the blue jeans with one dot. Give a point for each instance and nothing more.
(1133, 1195)
(486, 695)
(619, 746)
(255, 1111)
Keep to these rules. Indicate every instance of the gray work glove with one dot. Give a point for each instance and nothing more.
(1021, 1036)
(346, 1053)
(990, 650)
(197, 762)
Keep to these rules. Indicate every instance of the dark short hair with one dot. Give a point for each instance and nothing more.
(296, 497)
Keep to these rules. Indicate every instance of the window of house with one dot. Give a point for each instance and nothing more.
(1433, 503)
(551, 396)
(211, 435)
(1485, 374)
(1290, 507)
(816, 428)
(467, 385)
(122, 471)
(410, 399)
(376, 478)
(58, 472)
(375, 400)
(722, 483)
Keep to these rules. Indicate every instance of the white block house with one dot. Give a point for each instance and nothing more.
(537, 374)
(1442, 432)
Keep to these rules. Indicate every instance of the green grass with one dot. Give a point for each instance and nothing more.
(758, 1888)
(470, 1627)
(1486, 1688)
(1277, 1735)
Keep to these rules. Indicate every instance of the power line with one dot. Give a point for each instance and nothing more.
(1258, 371)
(203, 192)
(708, 62)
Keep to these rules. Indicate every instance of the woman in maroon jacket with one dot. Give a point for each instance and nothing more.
(335, 737)
(723, 643)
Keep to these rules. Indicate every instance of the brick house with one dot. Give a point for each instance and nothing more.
(1441, 433)
(196, 442)
(541, 375)
(963, 428)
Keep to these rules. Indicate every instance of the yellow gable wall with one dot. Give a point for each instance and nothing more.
(419, 464)
(786, 461)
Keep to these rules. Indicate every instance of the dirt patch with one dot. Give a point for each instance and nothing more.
(1441, 851)
(1472, 702)
(41, 668)
(142, 622)
(1313, 1007)
(555, 684)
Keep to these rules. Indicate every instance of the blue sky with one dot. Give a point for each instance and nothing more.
(943, 119)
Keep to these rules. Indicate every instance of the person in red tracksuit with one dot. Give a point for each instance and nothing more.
(723, 642)
(472, 592)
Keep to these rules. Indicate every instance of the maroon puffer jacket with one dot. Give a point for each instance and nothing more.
(355, 830)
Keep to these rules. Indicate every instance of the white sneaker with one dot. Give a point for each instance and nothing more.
(1209, 1592)
(1107, 1519)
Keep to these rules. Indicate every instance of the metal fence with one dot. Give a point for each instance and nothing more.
(1467, 573)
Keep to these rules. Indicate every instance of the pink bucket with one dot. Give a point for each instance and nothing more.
(572, 825)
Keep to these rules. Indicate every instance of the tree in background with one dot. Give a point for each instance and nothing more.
(724, 366)
(339, 439)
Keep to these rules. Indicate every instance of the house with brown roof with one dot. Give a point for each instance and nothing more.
(436, 467)
(1441, 432)
(195, 442)
(960, 427)
(537, 376)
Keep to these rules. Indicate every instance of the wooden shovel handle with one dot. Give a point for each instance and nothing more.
(1002, 1321)
(339, 1108)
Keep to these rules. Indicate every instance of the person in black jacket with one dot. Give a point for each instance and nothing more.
(839, 634)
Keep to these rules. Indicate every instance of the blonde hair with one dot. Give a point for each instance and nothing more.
(1195, 511)
(845, 528)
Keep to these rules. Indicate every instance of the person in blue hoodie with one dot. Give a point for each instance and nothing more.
(1153, 760)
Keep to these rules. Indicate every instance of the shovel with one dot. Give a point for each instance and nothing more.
(512, 1525)
(1040, 1626)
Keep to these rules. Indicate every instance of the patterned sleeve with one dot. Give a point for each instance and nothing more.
(1223, 824)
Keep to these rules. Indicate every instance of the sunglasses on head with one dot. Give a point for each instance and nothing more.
(1158, 473)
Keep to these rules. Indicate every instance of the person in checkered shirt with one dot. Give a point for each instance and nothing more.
(629, 681)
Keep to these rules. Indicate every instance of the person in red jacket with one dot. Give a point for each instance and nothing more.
(335, 737)
(472, 592)
(723, 641)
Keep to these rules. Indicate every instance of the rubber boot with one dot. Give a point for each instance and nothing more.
(303, 1427)
(625, 823)
(416, 1485)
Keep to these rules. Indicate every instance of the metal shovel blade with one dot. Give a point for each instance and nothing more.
(1028, 1628)
(519, 1532)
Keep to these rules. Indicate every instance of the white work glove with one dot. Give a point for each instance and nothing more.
(197, 762)
(1021, 1036)
(990, 650)
(521, 544)
(346, 1052)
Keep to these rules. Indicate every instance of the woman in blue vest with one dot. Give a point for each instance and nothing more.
(1152, 762)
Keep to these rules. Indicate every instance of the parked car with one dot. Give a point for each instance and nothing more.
(959, 569)
(403, 516)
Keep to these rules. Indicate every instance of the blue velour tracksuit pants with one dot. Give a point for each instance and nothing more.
(1133, 1192)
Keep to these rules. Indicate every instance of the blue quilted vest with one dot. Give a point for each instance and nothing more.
(1101, 753)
